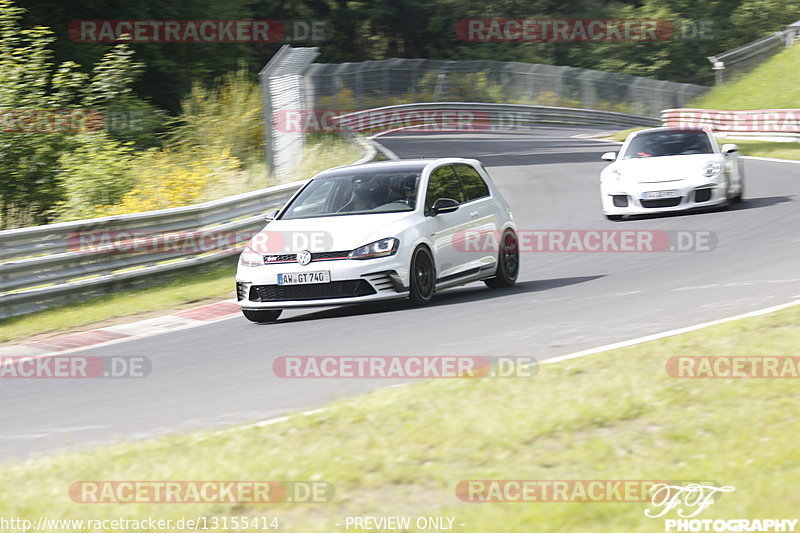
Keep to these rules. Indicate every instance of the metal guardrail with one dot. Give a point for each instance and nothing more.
(464, 116)
(47, 265)
(744, 58)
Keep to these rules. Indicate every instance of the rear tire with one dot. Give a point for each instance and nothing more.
(423, 277)
(262, 316)
(507, 262)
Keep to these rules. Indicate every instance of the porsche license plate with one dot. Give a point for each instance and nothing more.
(658, 195)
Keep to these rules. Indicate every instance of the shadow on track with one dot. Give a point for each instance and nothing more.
(469, 293)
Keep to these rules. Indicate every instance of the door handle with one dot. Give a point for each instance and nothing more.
(474, 214)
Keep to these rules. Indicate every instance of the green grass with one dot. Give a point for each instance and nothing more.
(771, 85)
(779, 150)
(402, 451)
(197, 285)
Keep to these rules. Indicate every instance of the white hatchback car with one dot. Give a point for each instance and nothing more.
(668, 169)
(393, 229)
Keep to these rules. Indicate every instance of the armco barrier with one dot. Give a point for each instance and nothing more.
(465, 116)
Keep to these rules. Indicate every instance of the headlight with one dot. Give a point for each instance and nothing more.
(251, 258)
(711, 169)
(381, 248)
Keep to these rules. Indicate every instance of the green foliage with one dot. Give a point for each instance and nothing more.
(96, 172)
(225, 117)
(31, 181)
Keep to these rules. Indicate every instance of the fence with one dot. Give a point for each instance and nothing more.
(370, 84)
(733, 63)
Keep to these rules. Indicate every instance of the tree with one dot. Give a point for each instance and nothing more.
(43, 107)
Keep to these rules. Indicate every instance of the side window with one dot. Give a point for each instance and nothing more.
(474, 186)
(443, 183)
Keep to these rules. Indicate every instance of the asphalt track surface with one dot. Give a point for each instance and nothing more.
(221, 373)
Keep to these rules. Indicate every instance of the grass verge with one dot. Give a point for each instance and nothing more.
(771, 85)
(213, 282)
(402, 451)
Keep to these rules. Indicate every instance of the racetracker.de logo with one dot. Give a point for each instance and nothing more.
(555, 490)
(199, 31)
(535, 240)
(74, 367)
(733, 366)
(197, 242)
(333, 120)
(237, 492)
(564, 30)
(404, 367)
(30, 120)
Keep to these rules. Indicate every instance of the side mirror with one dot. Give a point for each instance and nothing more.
(729, 148)
(609, 156)
(272, 215)
(444, 205)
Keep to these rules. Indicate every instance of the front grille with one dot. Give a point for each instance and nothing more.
(620, 200)
(316, 256)
(662, 202)
(702, 195)
(313, 291)
(323, 256)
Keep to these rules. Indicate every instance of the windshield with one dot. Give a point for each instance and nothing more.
(664, 143)
(356, 194)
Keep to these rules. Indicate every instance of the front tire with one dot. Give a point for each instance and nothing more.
(262, 316)
(423, 277)
(507, 262)
(739, 195)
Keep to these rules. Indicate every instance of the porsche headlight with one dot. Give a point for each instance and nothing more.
(381, 248)
(711, 169)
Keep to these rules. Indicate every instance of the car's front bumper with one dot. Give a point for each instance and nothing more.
(352, 281)
(628, 199)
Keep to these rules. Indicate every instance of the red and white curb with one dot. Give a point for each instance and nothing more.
(188, 318)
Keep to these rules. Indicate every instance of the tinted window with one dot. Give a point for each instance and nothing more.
(474, 186)
(664, 143)
(356, 194)
(443, 184)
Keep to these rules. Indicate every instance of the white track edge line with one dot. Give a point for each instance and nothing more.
(558, 359)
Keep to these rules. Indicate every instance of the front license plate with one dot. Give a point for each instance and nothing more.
(657, 195)
(303, 278)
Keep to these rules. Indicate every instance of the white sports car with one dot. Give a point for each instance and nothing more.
(394, 229)
(667, 169)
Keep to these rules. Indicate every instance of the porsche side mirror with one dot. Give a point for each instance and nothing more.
(729, 148)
